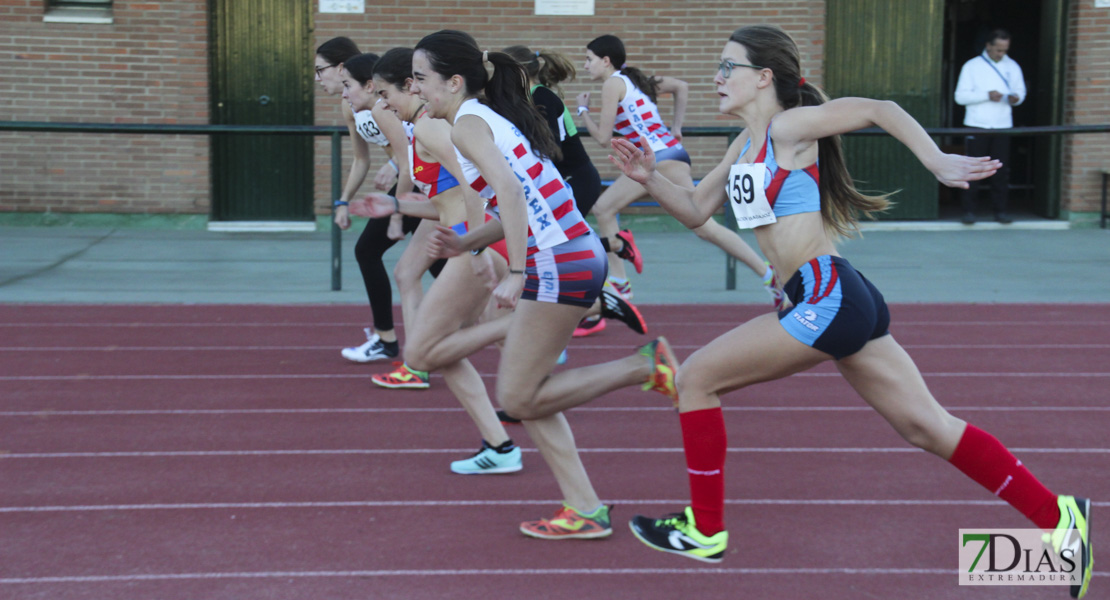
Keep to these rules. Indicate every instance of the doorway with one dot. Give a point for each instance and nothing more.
(1038, 34)
(261, 74)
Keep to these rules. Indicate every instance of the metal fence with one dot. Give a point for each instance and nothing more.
(336, 134)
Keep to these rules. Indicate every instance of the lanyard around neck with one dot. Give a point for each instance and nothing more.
(991, 63)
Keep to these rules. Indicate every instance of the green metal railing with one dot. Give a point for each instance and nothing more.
(336, 133)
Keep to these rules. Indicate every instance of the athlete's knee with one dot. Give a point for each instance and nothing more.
(931, 433)
(371, 248)
(711, 231)
(520, 402)
(406, 275)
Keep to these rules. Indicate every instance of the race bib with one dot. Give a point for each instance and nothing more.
(747, 197)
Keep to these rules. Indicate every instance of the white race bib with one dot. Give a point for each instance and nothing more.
(747, 196)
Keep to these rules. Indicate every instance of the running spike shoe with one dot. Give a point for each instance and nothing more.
(678, 534)
(771, 284)
(402, 378)
(1073, 536)
(568, 524)
(665, 369)
(629, 251)
(620, 288)
(488, 461)
(615, 307)
(374, 349)
(589, 326)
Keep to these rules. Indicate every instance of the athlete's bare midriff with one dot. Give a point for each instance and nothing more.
(793, 241)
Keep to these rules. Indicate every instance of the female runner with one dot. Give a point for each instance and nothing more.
(457, 297)
(628, 107)
(371, 125)
(785, 176)
(556, 265)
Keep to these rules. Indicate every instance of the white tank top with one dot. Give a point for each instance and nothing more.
(552, 215)
(638, 119)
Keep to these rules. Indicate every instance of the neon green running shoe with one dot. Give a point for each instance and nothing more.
(664, 368)
(677, 534)
(1073, 537)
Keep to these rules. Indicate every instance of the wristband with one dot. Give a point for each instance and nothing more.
(582, 110)
(394, 165)
(396, 204)
(477, 251)
(339, 203)
(516, 271)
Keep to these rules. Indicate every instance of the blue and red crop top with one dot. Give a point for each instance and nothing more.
(430, 177)
(788, 192)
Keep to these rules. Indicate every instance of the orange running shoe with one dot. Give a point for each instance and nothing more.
(402, 378)
(665, 370)
(569, 524)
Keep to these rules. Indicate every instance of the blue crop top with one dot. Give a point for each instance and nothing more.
(788, 192)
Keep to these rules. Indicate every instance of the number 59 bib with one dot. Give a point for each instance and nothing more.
(747, 197)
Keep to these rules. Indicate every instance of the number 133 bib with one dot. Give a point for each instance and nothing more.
(747, 197)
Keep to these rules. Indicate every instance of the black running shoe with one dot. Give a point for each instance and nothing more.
(677, 534)
(615, 307)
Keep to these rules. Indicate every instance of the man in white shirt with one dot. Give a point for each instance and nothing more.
(989, 86)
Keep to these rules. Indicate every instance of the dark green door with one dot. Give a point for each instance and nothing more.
(261, 75)
(888, 51)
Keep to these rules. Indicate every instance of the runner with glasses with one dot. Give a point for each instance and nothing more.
(784, 177)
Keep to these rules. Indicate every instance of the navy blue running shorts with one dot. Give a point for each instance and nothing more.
(836, 309)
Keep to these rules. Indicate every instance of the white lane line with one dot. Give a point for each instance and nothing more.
(461, 503)
(601, 409)
(383, 451)
(1064, 374)
(576, 347)
(478, 572)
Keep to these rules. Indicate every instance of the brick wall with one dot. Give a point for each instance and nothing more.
(149, 66)
(1088, 103)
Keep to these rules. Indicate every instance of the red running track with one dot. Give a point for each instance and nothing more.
(229, 452)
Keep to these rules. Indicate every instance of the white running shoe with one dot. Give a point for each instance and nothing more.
(374, 349)
(488, 461)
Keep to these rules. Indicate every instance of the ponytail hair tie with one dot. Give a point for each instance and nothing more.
(801, 82)
(623, 65)
(485, 56)
(537, 53)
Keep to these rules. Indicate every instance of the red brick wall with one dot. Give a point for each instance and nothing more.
(149, 66)
(1088, 103)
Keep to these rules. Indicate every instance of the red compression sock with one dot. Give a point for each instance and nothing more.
(983, 458)
(705, 440)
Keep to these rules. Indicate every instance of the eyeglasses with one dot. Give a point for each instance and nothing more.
(322, 69)
(726, 67)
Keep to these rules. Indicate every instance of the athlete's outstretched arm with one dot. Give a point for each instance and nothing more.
(803, 126)
(691, 208)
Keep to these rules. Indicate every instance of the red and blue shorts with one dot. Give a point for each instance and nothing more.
(836, 309)
(570, 273)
